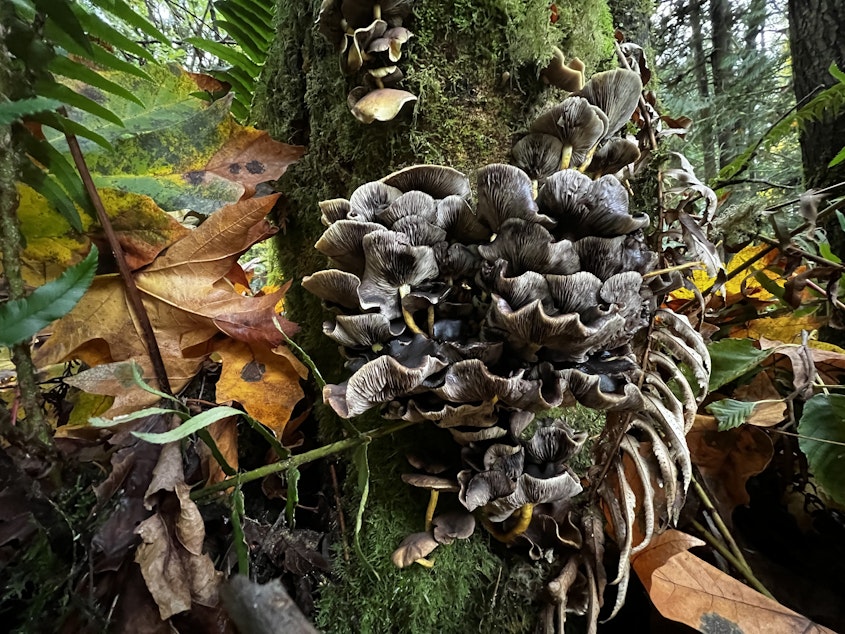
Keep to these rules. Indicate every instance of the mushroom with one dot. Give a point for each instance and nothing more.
(538, 155)
(414, 549)
(456, 216)
(333, 210)
(453, 525)
(528, 246)
(419, 231)
(412, 203)
(343, 243)
(505, 192)
(434, 485)
(355, 56)
(613, 155)
(617, 92)
(557, 73)
(379, 105)
(335, 287)
(438, 181)
(370, 201)
(365, 330)
(578, 124)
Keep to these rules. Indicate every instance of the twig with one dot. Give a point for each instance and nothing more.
(341, 518)
(813, 438)
(132, 291)
(717, 519)
(301, 459)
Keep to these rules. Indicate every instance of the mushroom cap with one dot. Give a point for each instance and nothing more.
(343, 242)
(453, 525)
(617, 92)
(558, 74)
(334, 286)
(371, 200)
(438, 181)
(354, 331)
(456, 216)
(430, 482)
(333, 210)
(413, 547)
(613, 155)
(538, 155)
(412, 203)
(531, 490)
(419, 231)
(505, 192)
(379, 105)
(577, 123)
(528, 246)
(396, 37)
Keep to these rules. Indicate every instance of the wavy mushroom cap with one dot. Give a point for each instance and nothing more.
(508, 459)
(413, 547)
(419, 231)
(575, 293)
(617, 92)
(456, 216)
(505, 192)
(614, 155)
(531, 490)
(438, 181)
(334, 286)
(343, 242)
(379, 105)
(453, 525)
(359, 331)
(605, 257)
(370, 201)
(550, 447)
(353, 59)
(520, 290)
(383, 77)
(333, 210)
(559, 74)
(577, 123)
(470, 381)
(528, 246)
(412, 203)
(538, 155)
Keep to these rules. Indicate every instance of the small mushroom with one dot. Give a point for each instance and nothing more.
(379, 105)
(617, 92)
(578, 124)
(434, 485)
(414, 549)
(343, 243)
(612, 156)
(333, 210)
(538, 155)
(557, 73)
(453, 525)
(335, 287)
(370, 201)
(505, 192)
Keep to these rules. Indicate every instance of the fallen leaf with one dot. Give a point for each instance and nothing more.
(266, 384)
(225, 435)
(687, 589)
(787, 328)
(803, 366)
(727, 459)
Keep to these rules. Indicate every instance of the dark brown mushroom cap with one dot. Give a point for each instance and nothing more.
(413, 547)
(412, 203)
(613, 155)
(430, 482)
(453, 525)
(456, 216)
(530, 328)
(624, 291)
(520, 290)
(458, 261)
(335, 287)
(528, 246)
(505, 192)
(558, 74)
(583, 207)
(577, 123)
(617, 92)
(605, 257)
(370, 201)
(376, 382)
(576, 293)
(538, 155)
(531, 490)
(437, 181)
(589, 390)
(343, 242)
(377, 78)
(552, 444)
(392, 262)
(356, 331)
(468, 435)
(420, 232)
(333, 210)
(379, 105)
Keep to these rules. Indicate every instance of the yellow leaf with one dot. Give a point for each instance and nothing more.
(786, 329)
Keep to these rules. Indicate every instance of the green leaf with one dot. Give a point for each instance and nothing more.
(822, 429)
(769, 284)
(138, 379)
(238, 536)
(292, 475)
(98, 421)
(732, 358)
(98, 54)
(841, 218)
(227, 54)
(47, 187)
(730, 413)
(838, 158)
(251, 47)
(838, 74)
(120, 9)
(65, 173)
(190, 426)
(361, 463)
(62, 15)
(264, 11)
(63, 124)
(102, 30)
(71, 98)
(249, 22)
(14, 110)
(74, 70)
(20, 319)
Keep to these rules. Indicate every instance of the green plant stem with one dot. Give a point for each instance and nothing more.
(740, 566)
(301, 459)
(717, 519)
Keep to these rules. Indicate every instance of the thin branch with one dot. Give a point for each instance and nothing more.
(132, 291)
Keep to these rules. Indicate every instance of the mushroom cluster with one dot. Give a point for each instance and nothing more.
(478, 315)
(369, 37)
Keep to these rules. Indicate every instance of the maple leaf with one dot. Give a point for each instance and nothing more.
(187, 296)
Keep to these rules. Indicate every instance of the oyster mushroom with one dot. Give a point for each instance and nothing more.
(559, 74)
(333, 210)
(434, 485)
(612, 156)
(343, 242)
(453, 525)
(412, 203)
(438, 181)
(334, 287)
(414, 549)
(355, 55)
(370, 201)
(379, 105)
(538, 155)
(365, 330)
(505, 192)
(578, 124)
(527, 246)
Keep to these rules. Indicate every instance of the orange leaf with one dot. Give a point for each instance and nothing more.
(686, 589)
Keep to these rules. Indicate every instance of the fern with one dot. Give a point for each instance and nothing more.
(249, 24)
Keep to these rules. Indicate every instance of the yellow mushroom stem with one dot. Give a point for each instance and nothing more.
(535, 188)
(566, 157)
(583, 167)
(376, 11)
(425, 563)
(431, 321)
(379, 82)
(409, 318)
(523, 517)
(432, 505)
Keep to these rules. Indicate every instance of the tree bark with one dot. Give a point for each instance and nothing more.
(720, 36)
(707, 136)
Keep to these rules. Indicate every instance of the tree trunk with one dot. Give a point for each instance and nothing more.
(815, 38)
(707, 135)
(720, 36)
(473, 67)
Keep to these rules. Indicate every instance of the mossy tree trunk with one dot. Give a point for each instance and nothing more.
(474, 66)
